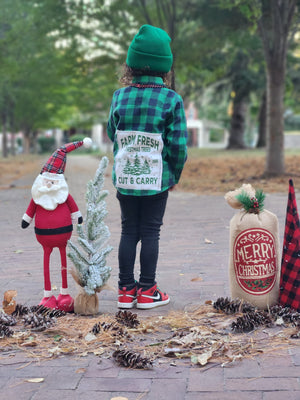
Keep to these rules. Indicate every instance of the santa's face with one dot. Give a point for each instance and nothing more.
(49, 190)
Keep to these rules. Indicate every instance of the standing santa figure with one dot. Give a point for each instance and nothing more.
(54, 210)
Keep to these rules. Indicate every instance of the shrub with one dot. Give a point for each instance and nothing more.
(47, 144)
(77, 138)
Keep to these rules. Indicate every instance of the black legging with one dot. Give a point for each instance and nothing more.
(142, 217)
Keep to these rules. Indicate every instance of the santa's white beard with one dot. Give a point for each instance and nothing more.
(49, 198)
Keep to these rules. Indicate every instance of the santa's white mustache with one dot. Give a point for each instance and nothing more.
(45, 189)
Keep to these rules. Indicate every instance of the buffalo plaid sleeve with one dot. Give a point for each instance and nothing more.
(112, 123)
(176, 139)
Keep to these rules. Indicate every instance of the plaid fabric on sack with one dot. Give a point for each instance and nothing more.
(290, 263)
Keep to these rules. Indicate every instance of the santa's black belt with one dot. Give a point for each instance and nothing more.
(54, 231)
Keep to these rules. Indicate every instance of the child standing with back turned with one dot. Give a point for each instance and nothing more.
(148, 127)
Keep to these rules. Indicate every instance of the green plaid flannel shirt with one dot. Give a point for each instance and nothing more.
(156, 110)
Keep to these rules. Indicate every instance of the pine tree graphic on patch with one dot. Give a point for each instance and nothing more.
(146, 168)
(137, 168)
(127, 168)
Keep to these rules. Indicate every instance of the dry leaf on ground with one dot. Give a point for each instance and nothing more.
(35, 380)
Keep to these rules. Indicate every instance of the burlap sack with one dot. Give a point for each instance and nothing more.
(254, 266)
(85, 304)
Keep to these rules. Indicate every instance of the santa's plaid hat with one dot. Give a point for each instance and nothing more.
(57, 162)
(290, 263)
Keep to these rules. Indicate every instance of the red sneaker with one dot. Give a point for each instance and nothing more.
(151, 298)
(127, 298)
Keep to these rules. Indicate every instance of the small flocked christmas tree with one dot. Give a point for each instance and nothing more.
(90, 270)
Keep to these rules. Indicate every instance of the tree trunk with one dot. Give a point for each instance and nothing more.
(274, 29)
(262, 122)
(26, 142)
(237, 126)
(34, 143)
(4, 137)
(13, 144)
(275, 123)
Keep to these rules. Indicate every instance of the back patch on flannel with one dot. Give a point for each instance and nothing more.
(138, 163)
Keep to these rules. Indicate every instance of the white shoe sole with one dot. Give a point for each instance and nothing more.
(145, 306)
(127, 305)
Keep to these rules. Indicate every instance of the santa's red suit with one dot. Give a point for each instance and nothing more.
(54, 210)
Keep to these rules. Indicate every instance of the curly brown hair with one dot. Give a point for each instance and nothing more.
(129, 73)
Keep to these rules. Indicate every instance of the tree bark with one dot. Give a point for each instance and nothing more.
(275, 124)
(262, 122)
(237, 126)
(13, 144)
(4, 137)
(26, 136)
(274, 27)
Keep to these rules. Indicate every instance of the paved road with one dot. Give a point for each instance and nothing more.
(184, 255)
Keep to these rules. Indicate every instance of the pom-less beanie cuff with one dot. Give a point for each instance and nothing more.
(150, 49)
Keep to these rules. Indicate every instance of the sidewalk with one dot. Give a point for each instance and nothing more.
(184, 255)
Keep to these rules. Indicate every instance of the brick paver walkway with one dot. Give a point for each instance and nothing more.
(184, 255)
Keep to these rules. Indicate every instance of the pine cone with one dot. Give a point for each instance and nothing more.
(5, 331)
(295, 335)
(229, 306)
(57, 313)
(20, 310)
(7, 320)
(250, 321)
(127, 358)
(127, 318)
(288, 315)
(38, 322)
(114, 328)
(119, 331)
(96, 329)
(106, 326)
(42, 310)
(278, 311)
(247, 307)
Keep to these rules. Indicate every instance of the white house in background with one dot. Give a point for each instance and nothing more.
(12, 140)
(98, 135)
(100, 139)
(203, 133)
(58, 134)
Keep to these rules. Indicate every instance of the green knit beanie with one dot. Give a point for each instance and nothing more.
(150, 49)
